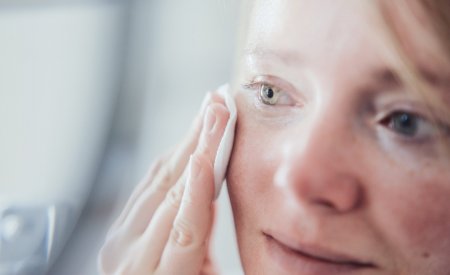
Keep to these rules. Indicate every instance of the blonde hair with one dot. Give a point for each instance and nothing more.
(437, 13)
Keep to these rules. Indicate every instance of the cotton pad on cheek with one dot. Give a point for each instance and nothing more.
(226, 143)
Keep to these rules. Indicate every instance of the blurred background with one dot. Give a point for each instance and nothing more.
(91, 91)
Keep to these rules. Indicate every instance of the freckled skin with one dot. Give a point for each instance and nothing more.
(389, 201)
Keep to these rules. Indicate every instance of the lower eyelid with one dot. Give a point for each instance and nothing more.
(286, 99)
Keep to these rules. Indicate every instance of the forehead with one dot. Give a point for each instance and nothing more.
(294, 26)
(321, 30)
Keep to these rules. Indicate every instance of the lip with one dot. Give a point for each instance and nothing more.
(299, 258)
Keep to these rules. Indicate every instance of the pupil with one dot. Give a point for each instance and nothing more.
(405, 124)
(269, 93)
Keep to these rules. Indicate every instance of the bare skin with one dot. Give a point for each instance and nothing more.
(328, 180)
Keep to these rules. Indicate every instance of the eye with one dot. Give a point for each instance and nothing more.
(409, 125)
(269, 95)
(271, 92)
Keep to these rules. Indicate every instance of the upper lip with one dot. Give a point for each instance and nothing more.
(318, 252)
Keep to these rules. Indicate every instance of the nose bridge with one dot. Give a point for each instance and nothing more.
(315, 168)
(326, 133)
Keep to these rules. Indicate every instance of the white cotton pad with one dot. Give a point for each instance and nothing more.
(226, 144)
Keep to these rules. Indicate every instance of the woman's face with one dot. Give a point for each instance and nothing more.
(337, 167)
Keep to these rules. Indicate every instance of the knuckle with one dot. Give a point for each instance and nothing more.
(152, 175)
(168, 175)
(155, 169)
(160, 188)
(182, 233)
(164, 179)
(174, 197)
(204, 159)
(157, 164)
(204, 148)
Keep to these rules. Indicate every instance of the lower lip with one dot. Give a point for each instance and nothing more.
(296, 263)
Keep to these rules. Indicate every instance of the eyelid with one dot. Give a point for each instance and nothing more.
(411, 108)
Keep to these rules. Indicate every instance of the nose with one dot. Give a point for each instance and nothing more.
(319, 168)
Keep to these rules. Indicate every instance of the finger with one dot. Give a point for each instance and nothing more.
(208, 267)
(163, 175)
(155, 236)
(136, 192)
(157, 233)
(176, 159)
(181, 156)
(214, 124)
(187, 246)
(179, 159)
(186, 148)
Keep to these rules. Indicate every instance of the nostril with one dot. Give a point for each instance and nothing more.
(325, 203)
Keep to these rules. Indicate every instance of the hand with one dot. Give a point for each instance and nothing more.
(166, 224)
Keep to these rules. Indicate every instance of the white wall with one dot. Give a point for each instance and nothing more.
(59, 71)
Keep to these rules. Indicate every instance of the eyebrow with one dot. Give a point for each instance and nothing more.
(390, 79)
(434, 78)
(386, 78)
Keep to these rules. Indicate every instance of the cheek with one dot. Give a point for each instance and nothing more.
(254, 160)
(251, 167)
(414, 214)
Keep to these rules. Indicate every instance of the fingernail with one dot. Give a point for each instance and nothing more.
(210, 119)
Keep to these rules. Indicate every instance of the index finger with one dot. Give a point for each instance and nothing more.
(186, 249)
